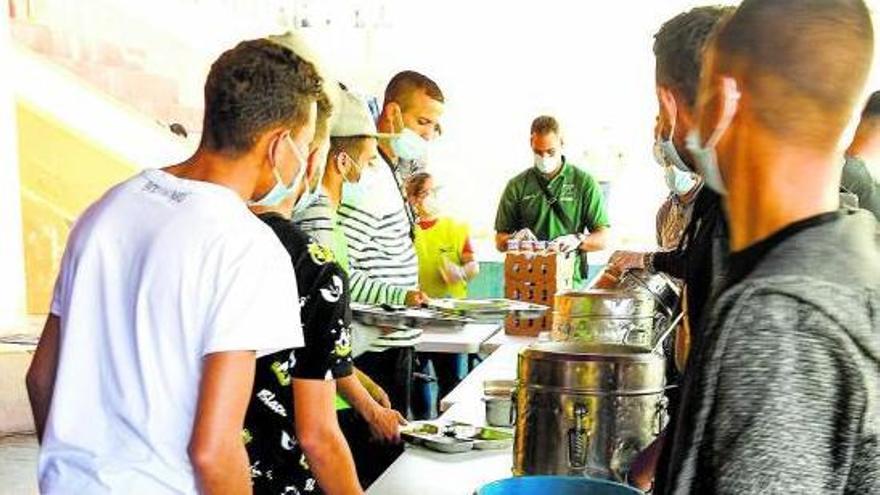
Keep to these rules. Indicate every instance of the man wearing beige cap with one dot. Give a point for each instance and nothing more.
(353, 145)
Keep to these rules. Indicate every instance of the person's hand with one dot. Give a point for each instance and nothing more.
(415, 298)
(384, 424)
(451, 273)
(623, 261)
(568, 243)
(524, 235)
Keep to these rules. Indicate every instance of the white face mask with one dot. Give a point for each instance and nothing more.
(430, 206)
(547, 164)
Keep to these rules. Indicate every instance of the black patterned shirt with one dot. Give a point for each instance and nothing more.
(278, 464)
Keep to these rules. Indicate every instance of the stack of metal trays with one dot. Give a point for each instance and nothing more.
(488, 310)
(404, 318)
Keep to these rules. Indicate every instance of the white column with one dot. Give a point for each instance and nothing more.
(13, 287)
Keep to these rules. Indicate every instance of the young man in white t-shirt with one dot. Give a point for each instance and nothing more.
(168, 289)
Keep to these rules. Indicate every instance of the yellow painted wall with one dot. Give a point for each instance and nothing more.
(62, 173)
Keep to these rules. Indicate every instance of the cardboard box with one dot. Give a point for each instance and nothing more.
(529, 327)
(554, 269)
(536, 278)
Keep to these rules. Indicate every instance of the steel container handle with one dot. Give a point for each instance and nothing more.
(578, 437)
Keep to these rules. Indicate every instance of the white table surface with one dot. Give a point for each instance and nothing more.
(419, 471)
(466, 340)
(423, 472)
(501, 338)
(500, 365)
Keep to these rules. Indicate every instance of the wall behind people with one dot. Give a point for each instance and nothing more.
(503, 63)
(500, 63)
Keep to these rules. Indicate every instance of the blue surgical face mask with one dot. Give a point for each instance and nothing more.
(307, 199)
(706, 161)
(666, 155)
(352, 192)
(409, 146)
(309, 196)
(704, 155)
(680, 182)
(679, 178)
(279, 191)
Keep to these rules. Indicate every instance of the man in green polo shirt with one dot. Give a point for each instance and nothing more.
(553, 200)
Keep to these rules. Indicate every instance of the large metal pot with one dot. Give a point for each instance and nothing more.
(617, 316)
(586, 409)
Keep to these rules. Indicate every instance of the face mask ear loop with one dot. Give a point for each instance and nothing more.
(399, 119)
(350, 167)
(728, 111)
(673, 118)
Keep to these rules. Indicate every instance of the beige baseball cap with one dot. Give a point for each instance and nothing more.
(352, 117)
(296, 42)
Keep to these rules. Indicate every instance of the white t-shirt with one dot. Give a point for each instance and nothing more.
(157, 273)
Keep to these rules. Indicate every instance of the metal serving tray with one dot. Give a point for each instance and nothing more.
(453, 438)
(488, 309)
(403, 318)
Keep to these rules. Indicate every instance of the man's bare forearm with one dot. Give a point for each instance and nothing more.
(40, 378)
(596, 241)
(226, 473)
(317, 430)
(353, 391)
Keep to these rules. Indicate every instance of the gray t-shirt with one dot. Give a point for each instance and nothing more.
(784, 394)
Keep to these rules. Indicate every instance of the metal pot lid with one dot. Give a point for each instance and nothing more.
(574, 367)
(617, 303)
(573, 351)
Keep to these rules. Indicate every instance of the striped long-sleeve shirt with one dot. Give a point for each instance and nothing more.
(319, 221)
(382, 259)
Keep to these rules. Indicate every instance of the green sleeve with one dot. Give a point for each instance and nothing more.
(506, 220)
(595, 214)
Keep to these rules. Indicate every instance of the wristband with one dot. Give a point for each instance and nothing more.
(648, 261)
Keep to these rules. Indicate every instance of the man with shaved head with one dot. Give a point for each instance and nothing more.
(782, 395)
(863, 159)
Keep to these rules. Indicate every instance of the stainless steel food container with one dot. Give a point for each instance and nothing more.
(617, 316)
(499, 411)
(586, 409)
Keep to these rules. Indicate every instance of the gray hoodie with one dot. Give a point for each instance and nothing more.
(784, 395)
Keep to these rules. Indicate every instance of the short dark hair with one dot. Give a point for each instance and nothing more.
(405, 84)
(351, 145)
(804, 63)
(872, 107)
(545, 124)
(678, 48)
(252, 87)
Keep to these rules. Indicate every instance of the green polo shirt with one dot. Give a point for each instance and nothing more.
(523, 204)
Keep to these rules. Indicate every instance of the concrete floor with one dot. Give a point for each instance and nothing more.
(18, 465)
